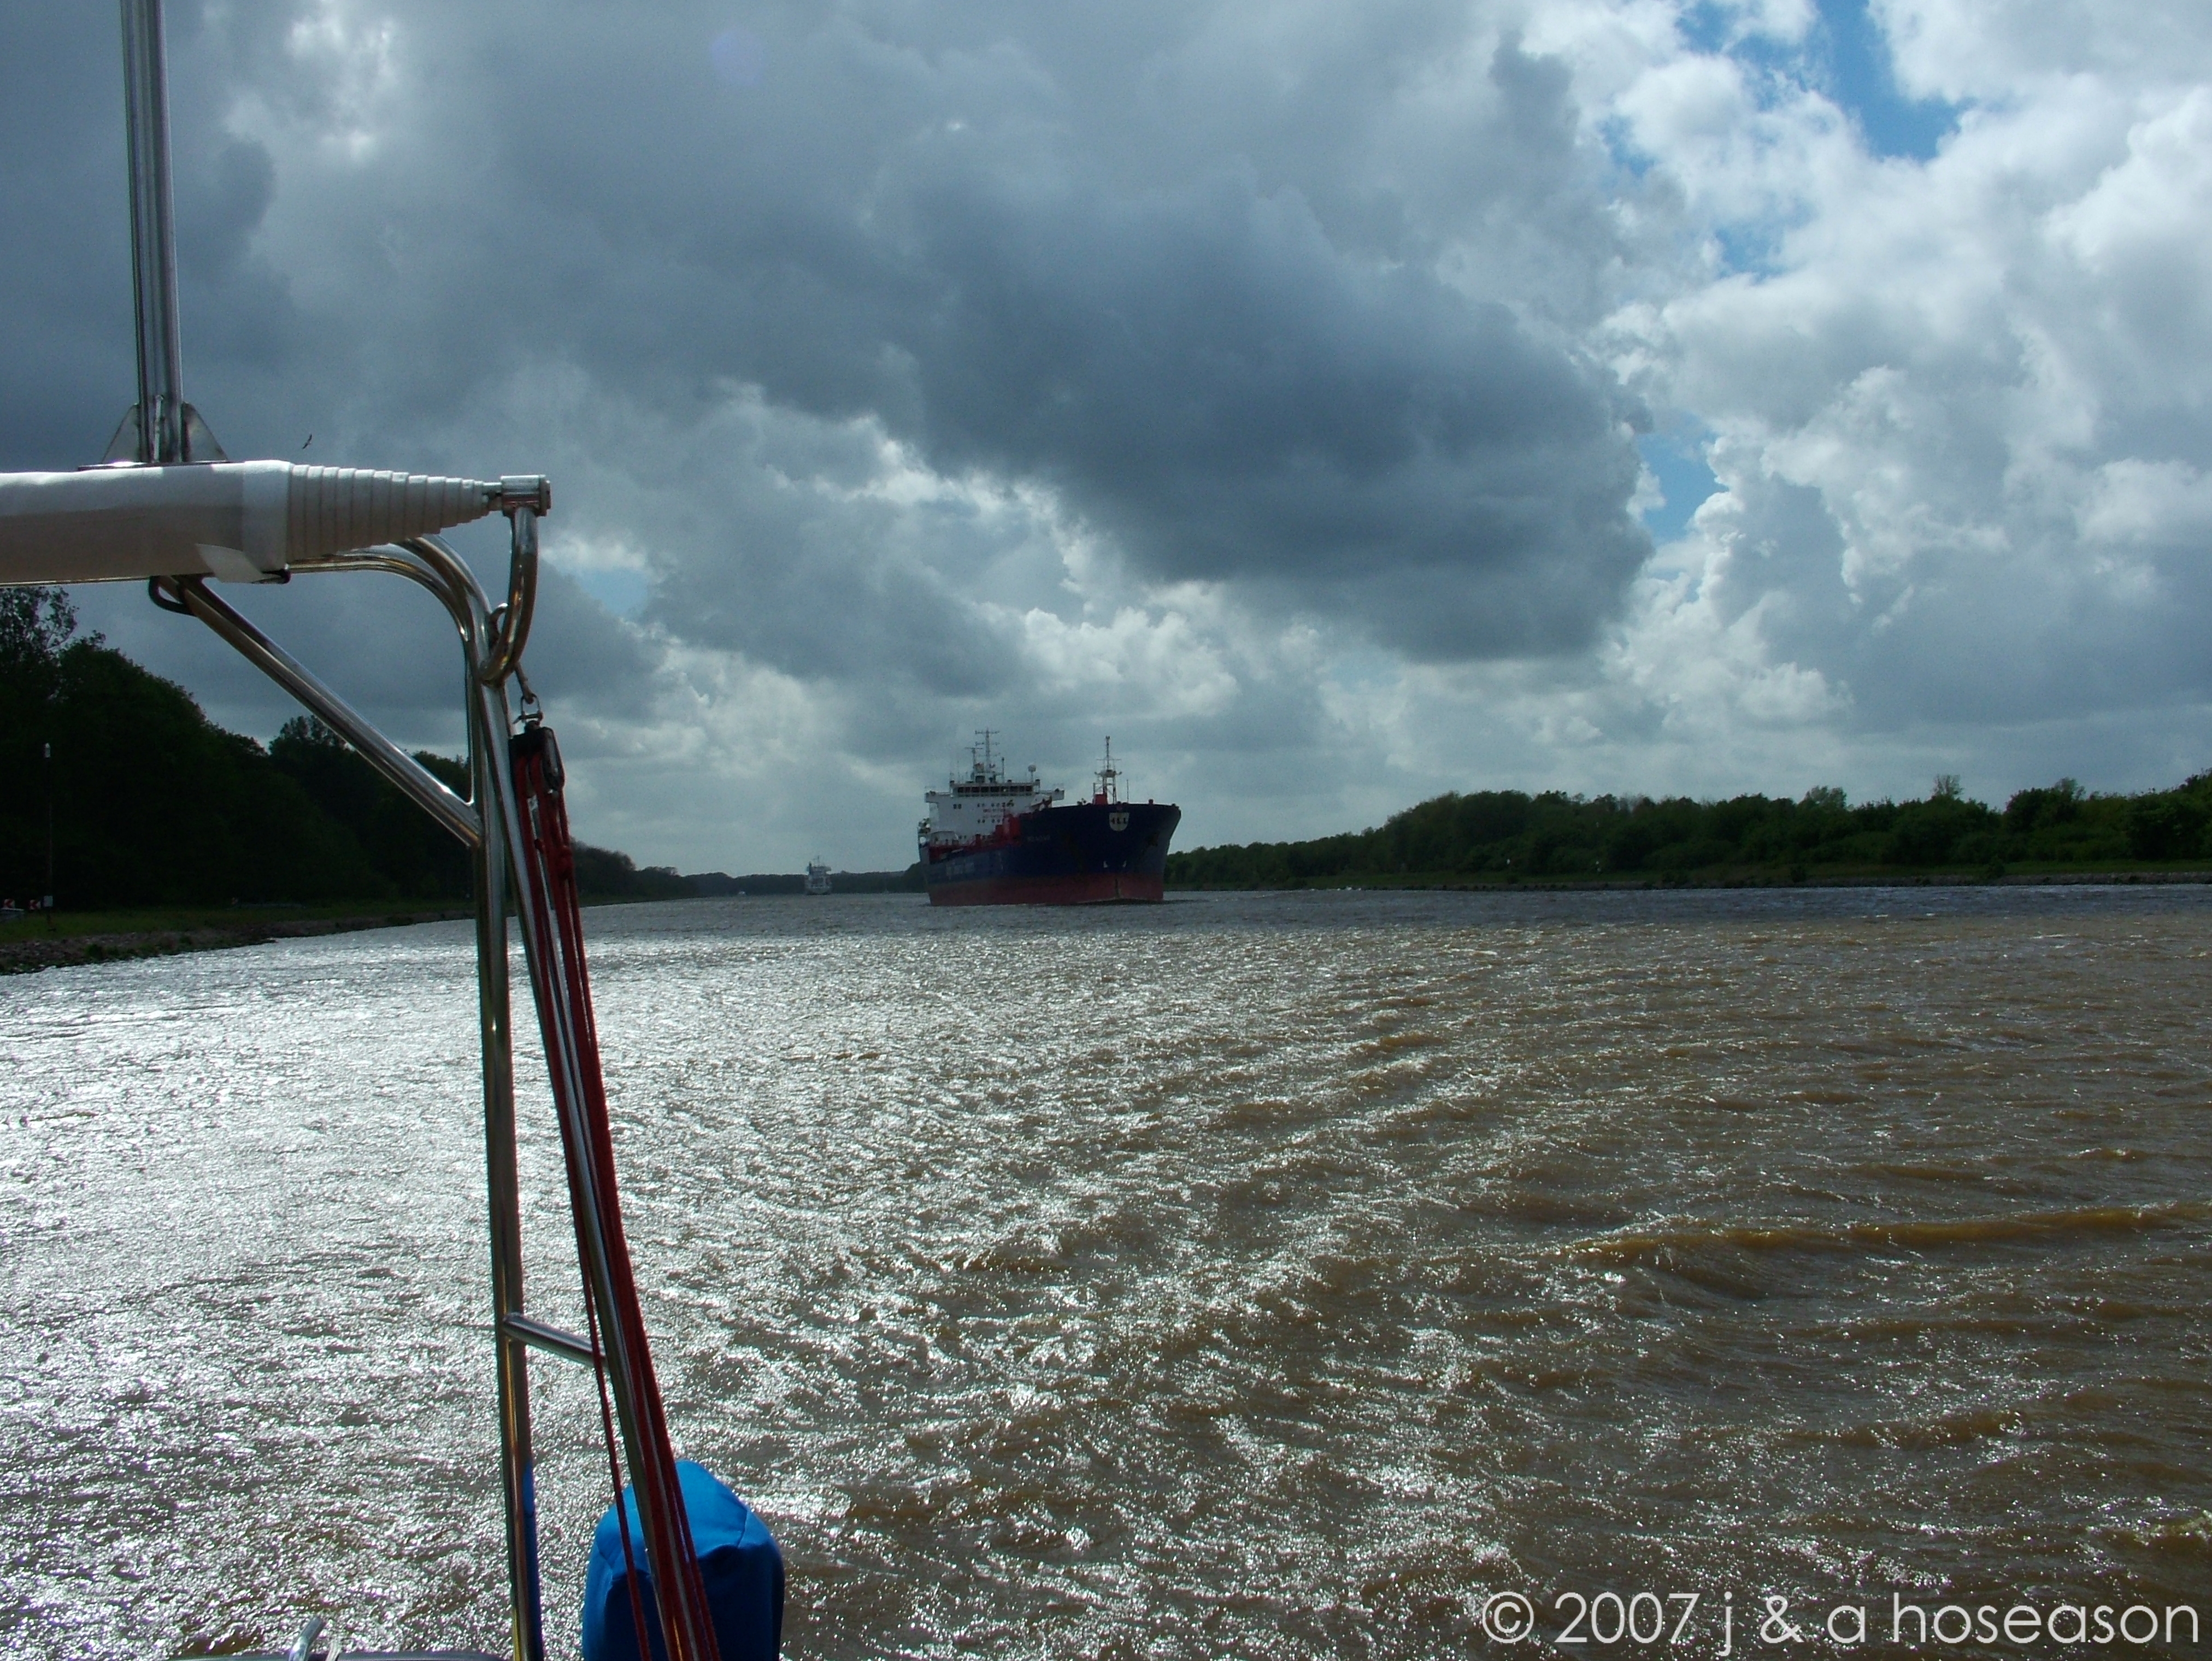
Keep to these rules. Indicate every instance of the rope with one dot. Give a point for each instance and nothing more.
(614, 1467)
(563, 988)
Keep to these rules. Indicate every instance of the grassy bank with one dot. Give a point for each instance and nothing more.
(67, 937)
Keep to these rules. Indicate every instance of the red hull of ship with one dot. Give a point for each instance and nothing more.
(1092, 889)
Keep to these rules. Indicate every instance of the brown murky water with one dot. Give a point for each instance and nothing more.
(1260, 1276)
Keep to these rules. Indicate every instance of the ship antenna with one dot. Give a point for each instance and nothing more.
(1109, 787)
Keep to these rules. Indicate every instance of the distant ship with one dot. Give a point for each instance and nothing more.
(818, 877)
(991, 840)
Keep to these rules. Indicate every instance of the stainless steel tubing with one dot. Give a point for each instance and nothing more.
(387, 758)
(501, 811)
(518, 1469)
(562, 1056)
(429, 562)
(435, 567)
(153, 236)
(511, 632)
(492, 828)
(561, 1053)
(551, 1339)
(687, 1628)
(447, 578)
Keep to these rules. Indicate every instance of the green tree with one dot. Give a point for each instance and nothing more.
(36, 625)
(413, 858)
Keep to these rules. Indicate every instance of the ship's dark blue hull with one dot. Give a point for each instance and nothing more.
(1091, 853)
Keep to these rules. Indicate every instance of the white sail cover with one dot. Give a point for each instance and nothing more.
(238, 521)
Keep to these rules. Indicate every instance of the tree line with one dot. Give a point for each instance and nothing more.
(1509, 835)
(152, 804)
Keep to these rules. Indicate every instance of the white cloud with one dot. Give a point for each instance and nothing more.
(2147, 502)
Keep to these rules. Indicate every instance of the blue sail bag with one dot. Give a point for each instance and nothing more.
(737, 1560)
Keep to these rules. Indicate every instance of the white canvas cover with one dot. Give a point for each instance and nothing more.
(238, 521)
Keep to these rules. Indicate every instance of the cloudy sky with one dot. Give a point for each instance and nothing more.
(1337, 403)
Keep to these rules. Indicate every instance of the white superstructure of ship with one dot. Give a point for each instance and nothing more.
(975, 809)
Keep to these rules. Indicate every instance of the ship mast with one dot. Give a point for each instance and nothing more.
(981, 766)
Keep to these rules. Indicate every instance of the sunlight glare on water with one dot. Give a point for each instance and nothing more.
(1267, 1275)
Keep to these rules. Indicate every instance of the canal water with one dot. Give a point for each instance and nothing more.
(1294, 1275)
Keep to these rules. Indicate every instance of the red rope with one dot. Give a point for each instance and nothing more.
(614, 1467)
(549, 870)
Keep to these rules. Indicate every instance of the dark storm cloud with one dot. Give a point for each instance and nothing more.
(66, 364)
(1012, 256)
(837, 589)
(65, 374)
(1180, 347)
(1210, 379)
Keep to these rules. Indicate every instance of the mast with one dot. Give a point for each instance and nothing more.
(981, 765)
(161, 419)
(1109, 788)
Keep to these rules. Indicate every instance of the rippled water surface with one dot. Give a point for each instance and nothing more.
(1246, 1276)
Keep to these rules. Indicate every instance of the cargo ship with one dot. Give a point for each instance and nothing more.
(990, 839)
